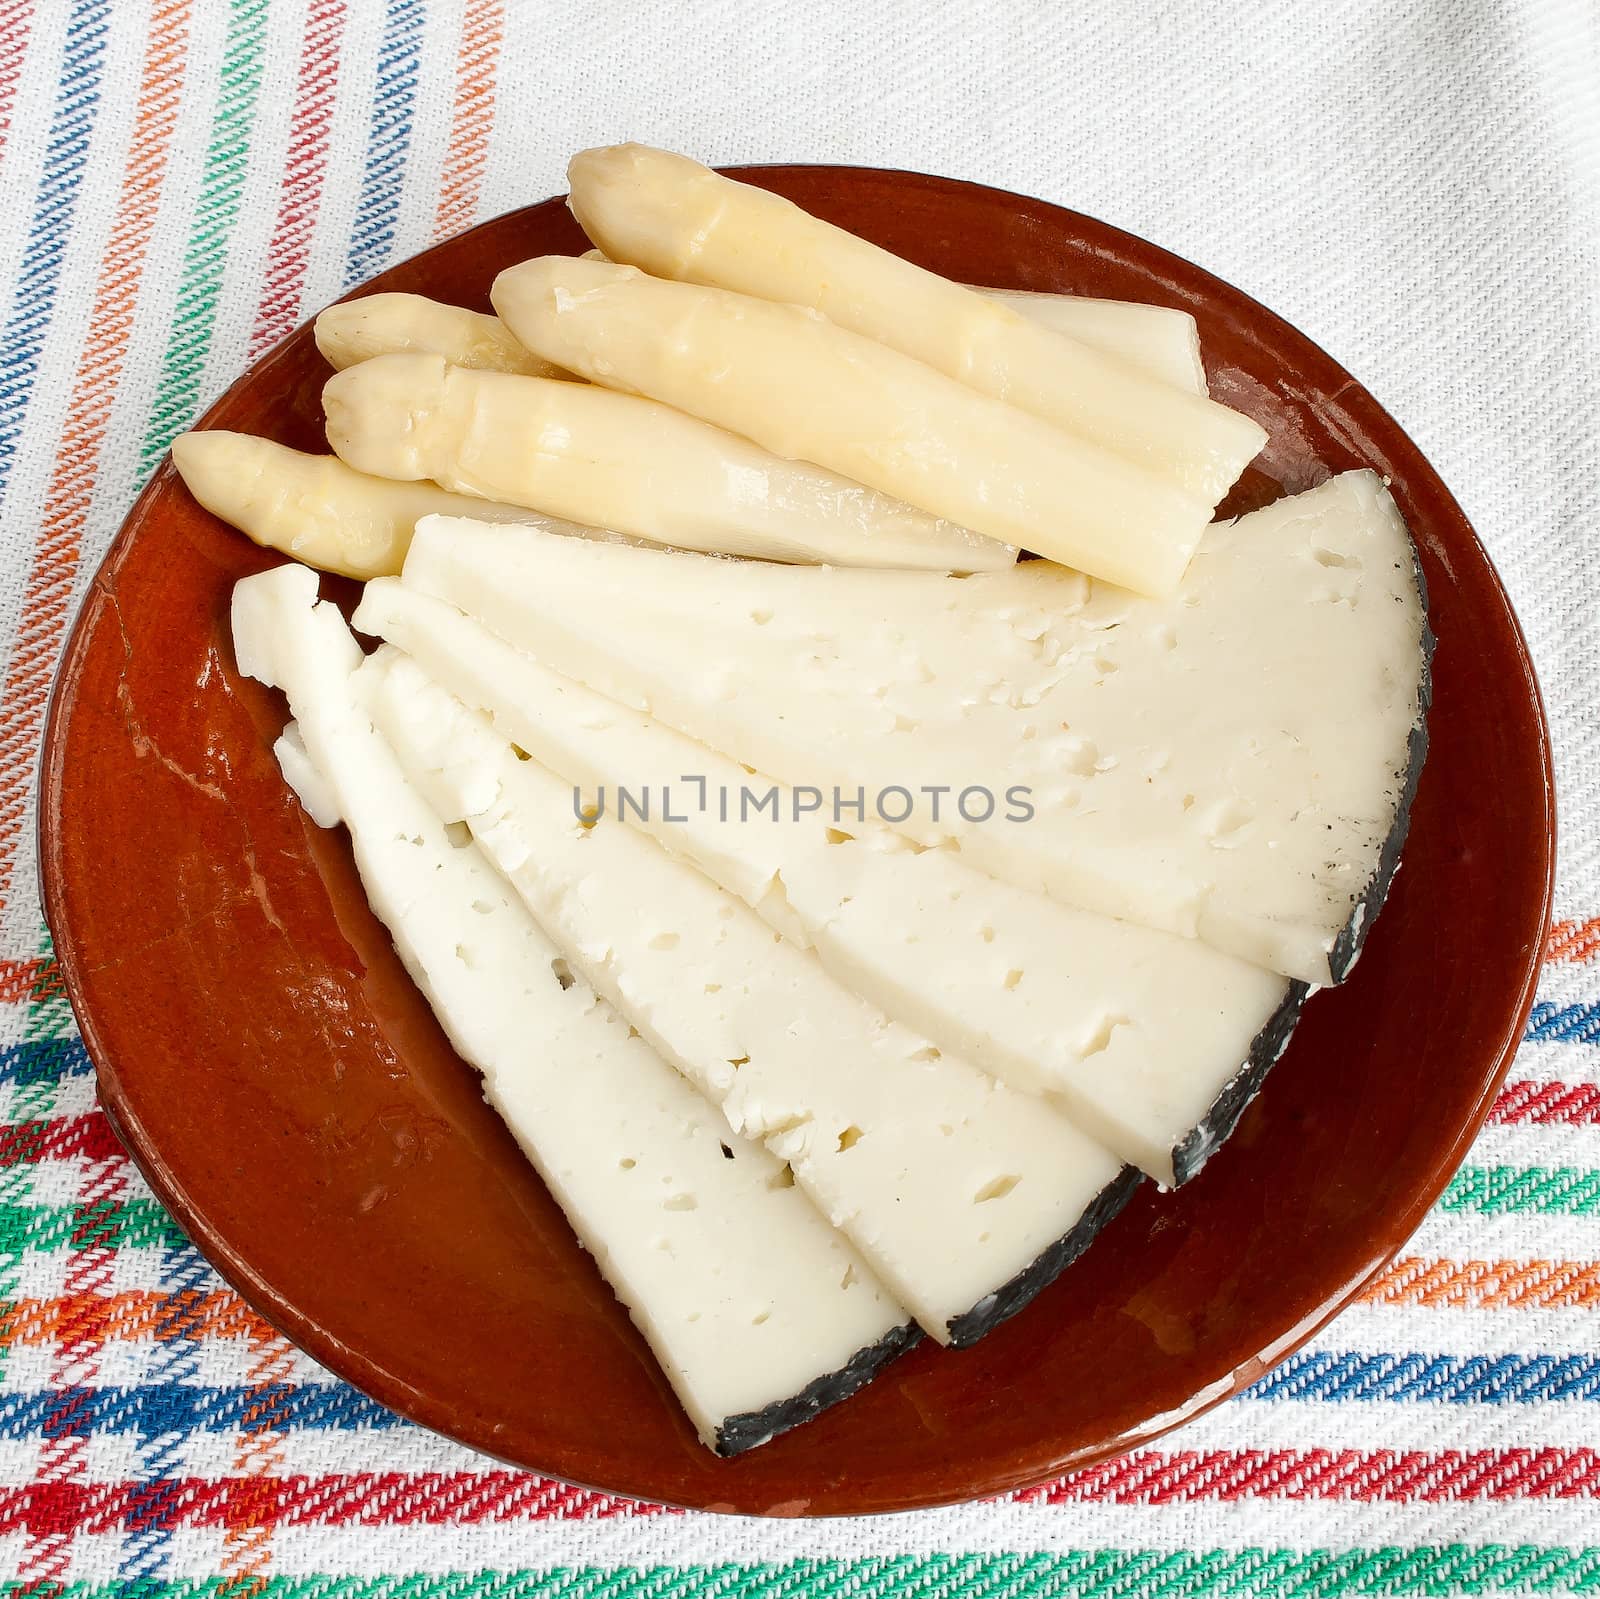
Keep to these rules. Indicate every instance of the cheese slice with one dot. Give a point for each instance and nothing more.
(758, 1312)
(1234, 764)
(1152, 1043)
(964, 1196)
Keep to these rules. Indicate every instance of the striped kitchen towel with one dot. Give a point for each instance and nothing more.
(185, 180)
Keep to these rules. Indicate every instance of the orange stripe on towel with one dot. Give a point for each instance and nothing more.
(1488, 1284)
(191, 1314)
(1574, 941)
(461, 181)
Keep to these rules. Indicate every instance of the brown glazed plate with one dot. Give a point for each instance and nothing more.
(289, 1097)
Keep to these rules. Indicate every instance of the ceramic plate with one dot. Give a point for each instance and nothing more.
(290, 1098)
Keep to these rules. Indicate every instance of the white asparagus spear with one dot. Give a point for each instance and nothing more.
(677, 219)
(809, 390)
(387, 324)
(1158, 339)
(616, 461)
(316, 508)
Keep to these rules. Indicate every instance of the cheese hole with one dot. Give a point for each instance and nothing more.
(627, 1163)
(983, 1238)
(713, 988)
(694, 1315)
(1332, 558)
(996, 1188)
(849, 1278)
(1083, 760)
(783, 1178)
(902, 724)
(1013, 977)
(633, 1032)
(926, 1053)
(987, 935)
(464, 956)
(727, 1154)
(1229, 823)
(1165, 636)
(757, 1321)
(761, 617)
(520, 753)
(947, 1129)
(1188, 802)
(482, 907)
(1030, 731)
(1100, 1039)
(837, 835)
(562, 972)
(459, 834)
(1105, 666)
(737, 1061)
(849, 1138)
(664, 941)
(681, 1202)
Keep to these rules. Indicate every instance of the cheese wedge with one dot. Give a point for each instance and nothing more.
(807, 390)
(677, 219)
(1235, 764)
(389, 324)
(965, 1197)
(1159, 340)
(314, 507)
(615, 461)
(1151, 1043)
(759, 1314)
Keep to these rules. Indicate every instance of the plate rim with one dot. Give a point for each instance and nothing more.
(419, 1408)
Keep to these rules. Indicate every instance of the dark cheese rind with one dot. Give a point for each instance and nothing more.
(1223, 1115)
(1364, 912)
(994, 1308)
(752, 1427)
